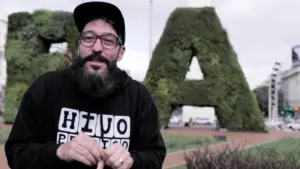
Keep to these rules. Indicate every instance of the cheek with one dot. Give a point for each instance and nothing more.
(111, 55)
(84, 51)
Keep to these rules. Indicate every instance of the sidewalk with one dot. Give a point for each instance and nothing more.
(236, 139)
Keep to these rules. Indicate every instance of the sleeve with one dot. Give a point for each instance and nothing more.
(150, 151)
(24, 148)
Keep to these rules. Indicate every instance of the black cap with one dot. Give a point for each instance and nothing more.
(84, 12)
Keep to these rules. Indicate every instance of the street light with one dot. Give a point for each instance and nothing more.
(273, 92)
(150, 27)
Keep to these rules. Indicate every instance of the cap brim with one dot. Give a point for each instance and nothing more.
(84, 12)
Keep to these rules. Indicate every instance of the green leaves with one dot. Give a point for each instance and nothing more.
(27, 50)
(198, 32)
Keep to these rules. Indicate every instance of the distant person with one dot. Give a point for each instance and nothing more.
(91, 115)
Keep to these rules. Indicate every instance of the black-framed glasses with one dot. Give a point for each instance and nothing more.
(108, 41)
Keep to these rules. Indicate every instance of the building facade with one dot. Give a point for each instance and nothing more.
(3, 64)
(291, 87)
(291, 82)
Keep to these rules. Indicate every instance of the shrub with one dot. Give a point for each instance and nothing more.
(239, 158)
(27, 50)
(198, 32)
(12, 100)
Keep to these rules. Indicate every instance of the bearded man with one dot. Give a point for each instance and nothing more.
(91, 115)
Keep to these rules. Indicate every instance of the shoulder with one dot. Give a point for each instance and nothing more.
(142, 95)
(52, 75)
(140, 88)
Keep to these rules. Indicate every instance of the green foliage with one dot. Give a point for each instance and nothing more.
(44, 24)
(198, 32)
(280, 154)
(18, 20)
(175, 142)
(262, 93)
(13, 97)
(27, 50)
(19, 60)
(4, 134)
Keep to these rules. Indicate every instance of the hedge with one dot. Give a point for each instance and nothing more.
(198, 32)
(268, 156)
(29, 38)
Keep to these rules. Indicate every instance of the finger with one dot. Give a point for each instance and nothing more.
(114, 160)
(100, 165)
(126, 163)
(93, 147)
(83, 152)
(80, 158)
(90, 145)
(97, 151)
(108, 152)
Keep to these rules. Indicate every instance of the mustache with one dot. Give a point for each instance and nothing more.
(79, 62)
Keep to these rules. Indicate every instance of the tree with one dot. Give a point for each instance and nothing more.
(262, 95)
(198, 32)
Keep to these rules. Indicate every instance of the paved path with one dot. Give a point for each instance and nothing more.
(3, 162)
(240, 139)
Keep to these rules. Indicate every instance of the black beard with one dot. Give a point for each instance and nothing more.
(93, 84)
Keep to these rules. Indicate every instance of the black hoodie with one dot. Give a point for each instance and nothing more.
(53, 111)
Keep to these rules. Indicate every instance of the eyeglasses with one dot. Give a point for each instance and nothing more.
(108, 41)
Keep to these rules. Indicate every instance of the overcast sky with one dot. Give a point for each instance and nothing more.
(261, 31)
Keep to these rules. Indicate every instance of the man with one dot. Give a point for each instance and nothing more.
(91, 115)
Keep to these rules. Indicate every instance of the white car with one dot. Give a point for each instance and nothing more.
(202, 121)
(175, 120)
(293, 125)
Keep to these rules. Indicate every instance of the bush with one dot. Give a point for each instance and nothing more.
(27, 50)
(264, 158)
(12, 100)
(198, 32)
(262, 96)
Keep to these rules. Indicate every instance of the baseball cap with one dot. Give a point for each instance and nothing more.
(84, 12)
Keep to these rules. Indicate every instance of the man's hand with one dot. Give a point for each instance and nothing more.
(117, 157)
(81, 148)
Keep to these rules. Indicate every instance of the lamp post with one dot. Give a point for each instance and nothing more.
(273, 93)
(150, 27)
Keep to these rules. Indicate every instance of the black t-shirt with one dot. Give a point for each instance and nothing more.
(54, 110)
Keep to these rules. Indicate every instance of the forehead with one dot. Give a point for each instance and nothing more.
(99, 26)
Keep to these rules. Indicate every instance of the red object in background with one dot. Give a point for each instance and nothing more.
(68, 58)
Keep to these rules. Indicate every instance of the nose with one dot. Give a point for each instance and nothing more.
(98, 46)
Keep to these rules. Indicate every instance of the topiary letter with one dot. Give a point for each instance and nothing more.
(198, 32)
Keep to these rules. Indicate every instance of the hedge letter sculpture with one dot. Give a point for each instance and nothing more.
(27, 50)
(198, 32)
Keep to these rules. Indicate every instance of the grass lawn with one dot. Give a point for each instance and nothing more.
(288, 148)
(183, 166)
(3, 136)
(279, 149)
(175, 142)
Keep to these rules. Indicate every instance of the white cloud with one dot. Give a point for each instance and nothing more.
(261, 32)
